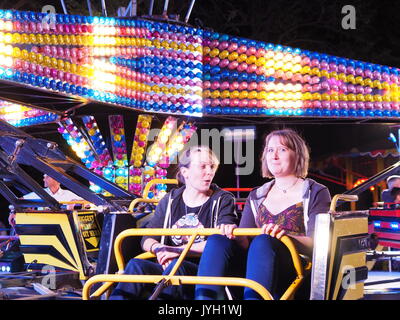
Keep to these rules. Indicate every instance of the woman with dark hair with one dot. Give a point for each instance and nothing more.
(286, 205)
(197, 204)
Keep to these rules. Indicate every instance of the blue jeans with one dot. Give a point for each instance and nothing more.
(222, 257)
(269, 263)
(140, 291)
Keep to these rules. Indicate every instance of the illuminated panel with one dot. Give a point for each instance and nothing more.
(140, 142)
(89, 145)
(386, 224)
(253, 78)
(78, 143)
(174, 69)
(20, 116)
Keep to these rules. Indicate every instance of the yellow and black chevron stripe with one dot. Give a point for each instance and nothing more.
(52, 238)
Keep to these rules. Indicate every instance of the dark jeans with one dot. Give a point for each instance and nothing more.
(221, 258)
(268, 263)
(140, 291)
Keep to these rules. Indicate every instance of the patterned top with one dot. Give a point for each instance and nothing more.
(291, 219)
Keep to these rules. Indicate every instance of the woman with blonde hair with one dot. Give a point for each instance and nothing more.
(199, 203)
(287, 205)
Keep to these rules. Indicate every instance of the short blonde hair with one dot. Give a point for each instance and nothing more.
(294, 142)
(186, 158)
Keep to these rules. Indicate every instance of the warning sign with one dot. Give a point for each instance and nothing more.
(90, 230)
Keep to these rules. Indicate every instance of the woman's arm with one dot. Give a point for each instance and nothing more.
(157, 221)
(166, 253)
(247, 221)
(303, 244)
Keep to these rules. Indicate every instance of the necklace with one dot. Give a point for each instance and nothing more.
(284, 190)
(198, 212)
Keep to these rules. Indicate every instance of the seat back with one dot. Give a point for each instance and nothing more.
(339, 258)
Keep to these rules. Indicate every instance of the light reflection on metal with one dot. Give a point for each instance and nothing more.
(103, 8)
(64, 7)
(189, 11)
(165, 10)
(89, 5)
(151, 7)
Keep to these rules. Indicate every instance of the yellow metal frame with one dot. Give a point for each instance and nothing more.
(135, 202)
(157, 181)
(171, 279)
(344, 197)
(144, 198)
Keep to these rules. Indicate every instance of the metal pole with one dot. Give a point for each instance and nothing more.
(238, 151)
(64, 7)
(166, 7)
(89, 5)
(151, 7)
(133, 8)
(103, 8)
(189, 10)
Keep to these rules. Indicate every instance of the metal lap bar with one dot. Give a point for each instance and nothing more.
(133, 204)
(177, 280)
(109, 279)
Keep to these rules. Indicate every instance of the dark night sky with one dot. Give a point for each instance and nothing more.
(312, 25)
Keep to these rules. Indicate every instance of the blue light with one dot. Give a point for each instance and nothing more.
(377, 224)
(392, 138)
(95, 188)
(8, 14)
(394, 225)
(108, 173)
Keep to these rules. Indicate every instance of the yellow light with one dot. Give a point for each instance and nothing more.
(13, 108)
(287, 66)
(104, 76)
(288, 57)
(8, 26)
(8, 50)
(279, 64)
(7, 38)
(7, 61)
(296, 68)
(297, 59)
(297, 87)
(278, 56)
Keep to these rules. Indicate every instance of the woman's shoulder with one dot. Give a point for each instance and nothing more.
(315, 185)
(317, 189)
(218, 192)
(260, 191)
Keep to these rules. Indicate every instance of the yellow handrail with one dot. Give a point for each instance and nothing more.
(201, 232)
(157, 181)
(175, 280)
(139, 200)
(344, 197)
